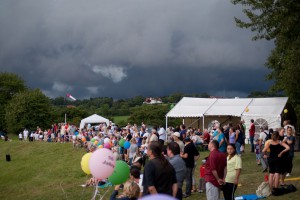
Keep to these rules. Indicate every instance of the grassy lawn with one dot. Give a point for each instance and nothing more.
(118, 119)
(42, 170)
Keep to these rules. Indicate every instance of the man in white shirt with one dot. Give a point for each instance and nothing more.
(176, 137)
(25, 134)
(162, 136)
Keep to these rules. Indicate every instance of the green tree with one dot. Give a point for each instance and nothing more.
(278, 20)
(10, 84)
(28, 109)
(150, 114)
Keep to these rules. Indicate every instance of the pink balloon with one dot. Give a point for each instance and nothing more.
(107, 145)
(102, 163)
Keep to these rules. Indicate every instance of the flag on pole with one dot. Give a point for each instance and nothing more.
(71, 97)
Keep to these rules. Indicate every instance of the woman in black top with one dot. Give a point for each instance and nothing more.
(276, 152)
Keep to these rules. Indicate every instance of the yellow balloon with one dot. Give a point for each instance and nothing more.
(96, 142)
(85, 163)
(285, 111)
(100, 146)
(247, 109)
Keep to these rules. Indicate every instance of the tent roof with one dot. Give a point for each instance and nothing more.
(266, 106)
(93, 119)
(232, 107)
(198, 107)
(191, 107)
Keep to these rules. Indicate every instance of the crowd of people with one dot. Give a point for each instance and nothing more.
(168, 157)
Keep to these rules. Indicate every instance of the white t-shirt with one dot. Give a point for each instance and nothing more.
(132, 150)
(162, 134)
(262, 137)
(20, 135)
(25, 133)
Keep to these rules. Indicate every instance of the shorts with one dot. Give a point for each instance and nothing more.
(257, 156)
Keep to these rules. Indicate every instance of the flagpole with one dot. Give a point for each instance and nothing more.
(65, 113)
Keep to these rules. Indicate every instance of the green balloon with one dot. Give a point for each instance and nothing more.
(121, 142)
(93, 140)
(120, 174)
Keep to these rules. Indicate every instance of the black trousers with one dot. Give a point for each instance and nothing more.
(229, 190)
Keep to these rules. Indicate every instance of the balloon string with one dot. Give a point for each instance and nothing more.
(104, 193)
(96, 192)
(63, 190)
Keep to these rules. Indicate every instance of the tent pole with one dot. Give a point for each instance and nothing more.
(203, 124)
(166, 122)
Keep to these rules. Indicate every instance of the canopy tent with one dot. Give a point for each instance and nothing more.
(93, 119)
(265, 112)
(262, 110)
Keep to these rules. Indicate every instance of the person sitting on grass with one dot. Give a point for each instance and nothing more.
(131, 191)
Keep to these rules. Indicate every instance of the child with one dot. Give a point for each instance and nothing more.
(201, 187)
(131, 191)
(257, 151)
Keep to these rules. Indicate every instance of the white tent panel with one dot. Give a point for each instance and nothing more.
(232, 107)
(266, 106)
(92, 120)
(191, 107)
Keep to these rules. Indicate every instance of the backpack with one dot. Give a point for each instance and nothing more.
(268, 136)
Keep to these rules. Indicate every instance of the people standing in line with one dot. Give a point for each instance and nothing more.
(25, 134)
(182, 132)
(189, 155)
(133, 150)
(234, 167)
(263, 137)
(215, 170)
(205, 136)
(231, 135)
(159, 175)
(238, 140)
(284, 158)
(220, 137)
(275, 164)
(286, 124)
(257, 151)
(201, 186)
(20, 136)
(291, 140)
(162, 136)
(176, 137)
(251, 134)
(173, 151)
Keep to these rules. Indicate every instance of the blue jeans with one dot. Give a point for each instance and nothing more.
(238, 148)
(188, 180)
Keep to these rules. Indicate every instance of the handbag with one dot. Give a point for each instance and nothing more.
(263, 190)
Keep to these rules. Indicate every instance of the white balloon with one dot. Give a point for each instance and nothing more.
(106, 140)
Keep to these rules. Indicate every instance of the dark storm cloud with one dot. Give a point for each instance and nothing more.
(127, 48)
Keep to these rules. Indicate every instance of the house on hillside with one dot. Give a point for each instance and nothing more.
(151, 100)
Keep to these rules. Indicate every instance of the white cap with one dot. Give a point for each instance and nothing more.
(177, 134)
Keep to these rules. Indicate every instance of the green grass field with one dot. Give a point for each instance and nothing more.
(120, 119)
(45, 171)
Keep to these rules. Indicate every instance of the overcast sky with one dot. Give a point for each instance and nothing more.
(125, 48)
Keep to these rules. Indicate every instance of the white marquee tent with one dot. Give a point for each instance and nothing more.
(92, 120)
(264, 111)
